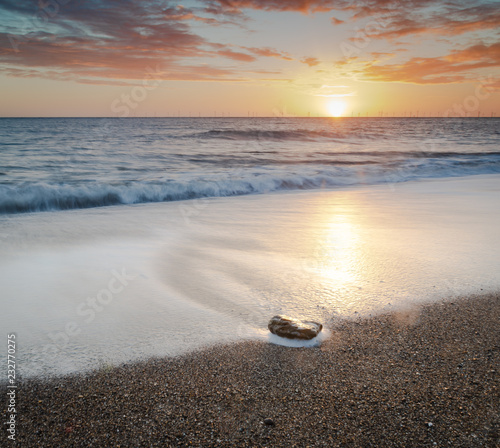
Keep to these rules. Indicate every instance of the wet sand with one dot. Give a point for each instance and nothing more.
(134, 282)
(422, 377)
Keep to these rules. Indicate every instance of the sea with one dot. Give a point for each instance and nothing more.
(123, 239)
(68, 163)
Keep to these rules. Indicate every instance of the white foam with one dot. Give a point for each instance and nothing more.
(42, 196)
(218, 270)
(297, 343)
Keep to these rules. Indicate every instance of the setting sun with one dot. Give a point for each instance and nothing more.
(336, 108)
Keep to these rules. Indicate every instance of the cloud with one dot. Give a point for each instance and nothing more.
(237, 56)
(182, 13)
(459, 65)
(311, 62)
(477, 52)
(491, 84)
(111, 41)
(269, 52)
(402, 17)
(381, 54)
(106, 40)
(442, 18)
(302, 6)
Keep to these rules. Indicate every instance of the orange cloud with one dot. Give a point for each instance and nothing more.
(311, 62)
(237, 56)
(269, 52)
(303, 6)
(457, 66)
(491, 84)
(477, 52)
(181, 12)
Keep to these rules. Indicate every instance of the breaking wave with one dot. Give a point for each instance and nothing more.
(40, 196)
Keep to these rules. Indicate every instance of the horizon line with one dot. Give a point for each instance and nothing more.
(493, 115)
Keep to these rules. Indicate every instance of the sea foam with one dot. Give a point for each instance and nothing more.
(42, 196)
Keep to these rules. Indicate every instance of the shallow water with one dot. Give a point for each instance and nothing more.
(84, 288)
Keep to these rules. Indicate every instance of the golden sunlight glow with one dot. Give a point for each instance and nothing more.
(336, 255)
(340, 252)
(336, 108)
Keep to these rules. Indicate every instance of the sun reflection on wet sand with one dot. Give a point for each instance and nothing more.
(336, 252)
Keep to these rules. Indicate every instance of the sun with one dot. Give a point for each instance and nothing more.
(336, 108)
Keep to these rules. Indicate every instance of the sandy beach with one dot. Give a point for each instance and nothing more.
(419, 377)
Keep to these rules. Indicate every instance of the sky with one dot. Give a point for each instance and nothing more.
(122, 58)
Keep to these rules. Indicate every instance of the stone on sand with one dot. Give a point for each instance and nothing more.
(288, 327)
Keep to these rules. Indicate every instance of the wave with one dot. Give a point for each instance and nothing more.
(256, 134)
(333, 158)
(36, 197)
(413, 154)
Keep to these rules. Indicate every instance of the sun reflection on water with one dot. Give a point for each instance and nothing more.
(336, 255)
(339, 252)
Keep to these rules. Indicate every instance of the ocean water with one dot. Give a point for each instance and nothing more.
(67, 163)
(122, 239)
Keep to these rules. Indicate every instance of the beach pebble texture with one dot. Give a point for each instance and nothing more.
(290, 328)
(422, 377)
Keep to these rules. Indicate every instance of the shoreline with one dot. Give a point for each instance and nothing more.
(234, 263)
(427, 376)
